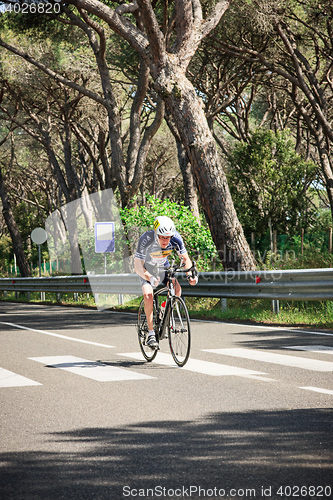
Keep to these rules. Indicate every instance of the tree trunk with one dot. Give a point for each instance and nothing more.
(69, 212)
(190, 193)
(188, 114)
(14, 232)
(326, 165)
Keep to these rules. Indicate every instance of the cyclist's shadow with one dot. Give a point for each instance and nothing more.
(133, 364)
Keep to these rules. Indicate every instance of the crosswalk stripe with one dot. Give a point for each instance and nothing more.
(51, 334)
(279, 359)
(11, 379)
(322, 349)
(318, 389)
(91, 369)
(199, 366)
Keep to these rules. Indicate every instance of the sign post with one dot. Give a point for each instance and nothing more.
(39, 236)
(104, 241)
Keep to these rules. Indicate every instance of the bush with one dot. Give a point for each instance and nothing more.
(197, 237)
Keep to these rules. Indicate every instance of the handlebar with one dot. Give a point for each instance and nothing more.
(174, 268)
(179, 267)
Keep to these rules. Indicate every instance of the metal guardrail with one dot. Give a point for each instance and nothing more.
(300, 284)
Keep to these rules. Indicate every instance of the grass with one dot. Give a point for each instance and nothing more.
(305, 314)
(311, 314)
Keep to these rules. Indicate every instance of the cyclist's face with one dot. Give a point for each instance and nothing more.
(164, 240)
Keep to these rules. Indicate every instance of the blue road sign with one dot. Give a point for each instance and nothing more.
(104, 237)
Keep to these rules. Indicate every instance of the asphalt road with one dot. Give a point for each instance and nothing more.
(83, 416)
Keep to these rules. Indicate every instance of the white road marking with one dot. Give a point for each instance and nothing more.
(318, 389)
(322, 349)
(278, 359)
(277, 327)
(199, 366)
(51, 334)
(11, 379)
(91, 369)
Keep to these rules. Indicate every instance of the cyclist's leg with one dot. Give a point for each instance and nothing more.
(178, 288)
(148, 296)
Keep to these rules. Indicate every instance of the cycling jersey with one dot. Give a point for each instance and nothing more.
(152, 254)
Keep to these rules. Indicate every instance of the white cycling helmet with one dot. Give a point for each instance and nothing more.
(164, 226)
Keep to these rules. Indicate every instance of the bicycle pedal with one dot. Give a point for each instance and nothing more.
(154, 348)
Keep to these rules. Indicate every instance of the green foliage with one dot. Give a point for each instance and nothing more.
(197, 239)
(35, 25)
(269, 181)
(315, 253)
(6, 253)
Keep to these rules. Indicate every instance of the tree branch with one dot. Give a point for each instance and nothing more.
(119, 24)
(155, 35)
(191, 30)
(215, 17)
(134, 129)
(197, 14)
(184, 24)
(126, 8)
(303, 86)
(53, 74)
(145, 145)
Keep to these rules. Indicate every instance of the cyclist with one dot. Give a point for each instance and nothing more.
(153, 249)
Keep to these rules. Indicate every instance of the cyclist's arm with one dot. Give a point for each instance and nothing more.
(187, 264)
(140, 269)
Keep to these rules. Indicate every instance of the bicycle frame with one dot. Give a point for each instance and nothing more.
(170, 289)
(175, 324)
(165, 320)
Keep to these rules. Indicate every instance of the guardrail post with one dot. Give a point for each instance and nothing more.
(120, 299)
(276, 306)
(224, 304)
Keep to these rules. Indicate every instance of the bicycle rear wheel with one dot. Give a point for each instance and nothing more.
(179, 331)
(142, 328)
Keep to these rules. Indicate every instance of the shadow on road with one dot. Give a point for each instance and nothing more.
(275, 339)
(243, 451)
(61, 318)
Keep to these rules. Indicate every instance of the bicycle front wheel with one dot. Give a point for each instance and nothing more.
(179, 331)
(142, 327)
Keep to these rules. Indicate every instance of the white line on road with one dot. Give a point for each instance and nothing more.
(273, 327)
(322, 349)
(278, 359)
(73, 339)
(11, 379)
(91, 369)
(318, 389)
(204, 367)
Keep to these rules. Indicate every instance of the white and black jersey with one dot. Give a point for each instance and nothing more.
(152, 254)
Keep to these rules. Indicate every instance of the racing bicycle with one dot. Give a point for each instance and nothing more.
(171, 320)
